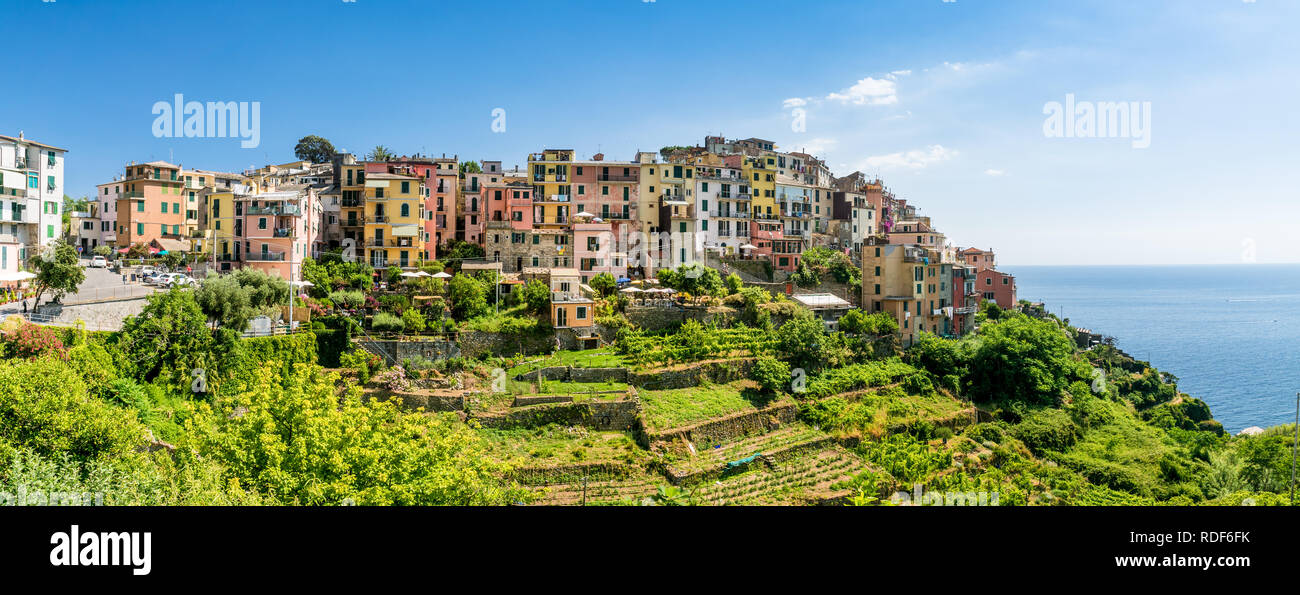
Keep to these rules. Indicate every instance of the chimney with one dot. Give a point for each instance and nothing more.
(20, 136)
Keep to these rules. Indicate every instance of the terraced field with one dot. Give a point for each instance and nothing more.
(714, 456)
(620, 491)
(797, 481)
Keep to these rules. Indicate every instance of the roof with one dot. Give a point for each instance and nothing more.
(821, 300)
(28, 141)
(159, 164)
(171, 245)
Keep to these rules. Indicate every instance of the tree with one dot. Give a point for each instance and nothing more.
(604, 284)
(470, 167)
(468, 298)
(771, 374)
(57, 271)
(1021, 360)
(455, 251)
(536, 296)
(801, 340)
(380, 153)
(734, 283)
(168, 340)
(102, 250)
(224, 302)
(314, 149)
(298, 441)
(393, 275)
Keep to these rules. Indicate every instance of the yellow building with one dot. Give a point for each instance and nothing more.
(352, 207)
(394, 211)
(910, 283)
(552, 183)
(760, 173)
(220, 246)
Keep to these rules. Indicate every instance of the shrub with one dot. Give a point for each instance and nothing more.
(385, 322)
(771, 374)
(413, 320)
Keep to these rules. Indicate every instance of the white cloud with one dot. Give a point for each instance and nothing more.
(994, 172)
(794, 102)
(815, 146)
(914, 159)
(868, 91)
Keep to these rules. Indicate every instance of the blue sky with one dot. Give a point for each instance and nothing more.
(944, 100)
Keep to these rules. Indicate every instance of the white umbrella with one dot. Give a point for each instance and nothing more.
(748, 247)
(584, 214)
(17, 276)
(441, 275)
(409, 275)
(630, 290)
(422, 274)
(302, 283)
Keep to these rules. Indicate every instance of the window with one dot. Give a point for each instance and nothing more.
(406, 187)
(139, 207)
(164, 208)
(406, 208)
(261, 222)
(582, 313)
(176, 208)
(139, 229)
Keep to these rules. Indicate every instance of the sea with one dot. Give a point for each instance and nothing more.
(1230, 333)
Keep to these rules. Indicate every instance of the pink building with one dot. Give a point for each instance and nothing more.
(279, 229)
(595, 251)
(980, 259)
(997, 286)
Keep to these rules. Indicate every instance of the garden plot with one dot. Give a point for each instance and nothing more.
(801, 480)
(709, 457)
(628, 491)
(674, 408)
(556, 445)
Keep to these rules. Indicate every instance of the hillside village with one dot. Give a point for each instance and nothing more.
(719, 324)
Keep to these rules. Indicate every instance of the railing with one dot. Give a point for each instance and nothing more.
(616, 178)
(264, 257)
(132, 194)
(284, 232)
(378, 219)
(286, 210)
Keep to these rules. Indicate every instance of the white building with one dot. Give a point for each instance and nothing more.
(724, 197)
(31, 196)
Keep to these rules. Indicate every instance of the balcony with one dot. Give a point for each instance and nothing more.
(193, 184)
(131, 195)
(375, 242)
(284, 232)
(353, 202)
(286, 210)
(554, 198)
(377, 219)
(264, 257)
(616, 178)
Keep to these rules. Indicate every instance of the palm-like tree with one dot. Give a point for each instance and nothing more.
(380, 153)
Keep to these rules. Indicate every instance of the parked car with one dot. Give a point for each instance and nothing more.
(98, 262)
(176, 280)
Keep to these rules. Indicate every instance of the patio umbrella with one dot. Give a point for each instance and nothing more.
(584, 214)
(748, 247)
(629, 290)
(422, 274)
(409, 275)
(441, 275)
(17, 276)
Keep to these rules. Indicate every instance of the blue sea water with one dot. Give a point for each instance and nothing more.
(1230, 333)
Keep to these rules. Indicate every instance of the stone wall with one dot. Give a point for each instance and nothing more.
(619, 415)
(414, 400)
(572, 473)
(730, 427)
(570, 374)
(694, 375)
(478, 344)
(395, 352)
